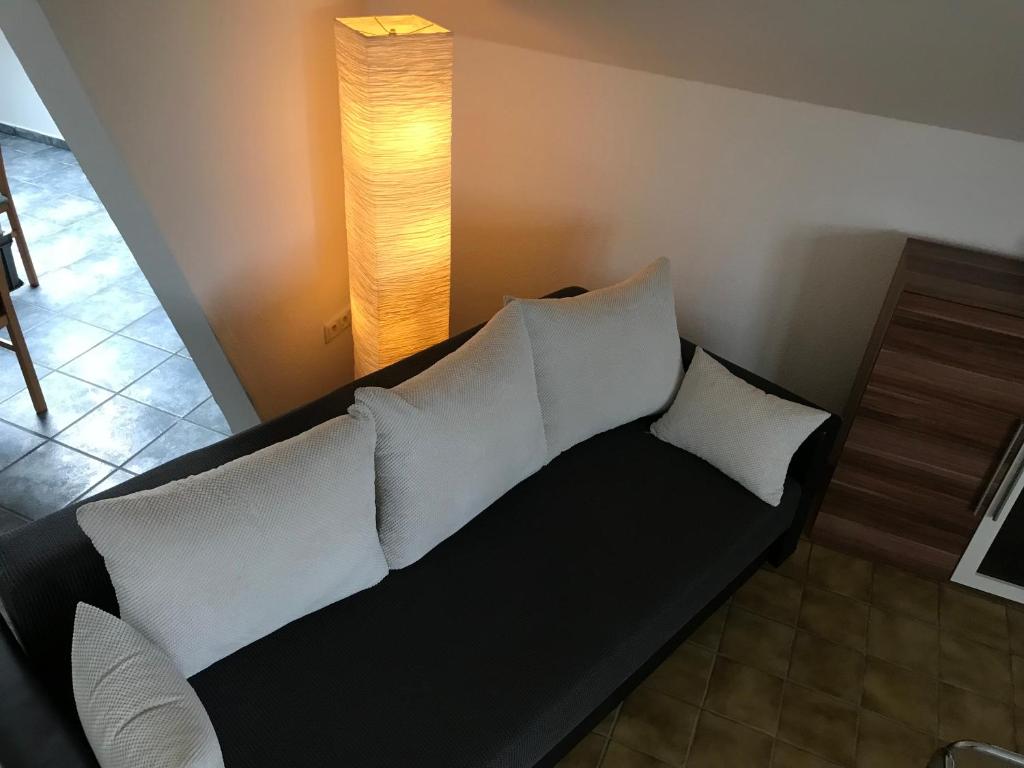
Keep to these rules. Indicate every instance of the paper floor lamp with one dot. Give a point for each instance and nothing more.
(395, 86)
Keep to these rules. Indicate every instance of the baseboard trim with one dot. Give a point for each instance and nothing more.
(26, 133)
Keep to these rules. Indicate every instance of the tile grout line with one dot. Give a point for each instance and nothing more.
(52, 314)
(863, 652)
(81, 453)
(936, 626)
(57, 441)
(89, 491)
(871, 606)
(113, 393)
(901, 615)
(61, 313)
(122, 464)
(728, 605)
(147, 445)
(16, 514)
(608, 736)
(868, 656)
(792, 652)
(797, 684)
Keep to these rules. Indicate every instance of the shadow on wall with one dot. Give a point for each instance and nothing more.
(270, 313)
(819, 303)
(524, 253)
(830, 288)
(323, 146)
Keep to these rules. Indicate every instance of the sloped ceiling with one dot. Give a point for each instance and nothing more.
(951, 63)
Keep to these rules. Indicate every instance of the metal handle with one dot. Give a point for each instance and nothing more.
(946, 757)
(999, 474)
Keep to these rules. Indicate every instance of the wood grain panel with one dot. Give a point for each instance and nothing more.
(973, 424)
(964, 275)
(939, 395)
(900, 550)
(950, 460)
(904, 496)
(957, 386)
(862, 507)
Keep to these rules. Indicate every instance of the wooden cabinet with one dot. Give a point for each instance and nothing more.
(938, 399)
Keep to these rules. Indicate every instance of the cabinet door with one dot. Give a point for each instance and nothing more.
(943, 399)
(993, 561)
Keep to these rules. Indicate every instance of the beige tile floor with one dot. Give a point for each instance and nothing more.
(827, 661)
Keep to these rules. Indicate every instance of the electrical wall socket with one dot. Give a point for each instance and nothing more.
(337, 324)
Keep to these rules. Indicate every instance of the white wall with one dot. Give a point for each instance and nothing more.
(225, 115)
(20, 105)
(783, 220)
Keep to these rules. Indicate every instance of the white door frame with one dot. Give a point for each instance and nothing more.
(998, 511)
(29, 32)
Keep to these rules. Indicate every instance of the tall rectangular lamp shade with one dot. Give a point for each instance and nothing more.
(395, 87)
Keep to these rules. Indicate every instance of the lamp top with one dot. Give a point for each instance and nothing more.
(392, 26)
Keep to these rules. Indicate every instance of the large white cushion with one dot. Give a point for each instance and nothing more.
(208, 564)
(746, 433)
(454, 438)
(136, 708)
(606, 357)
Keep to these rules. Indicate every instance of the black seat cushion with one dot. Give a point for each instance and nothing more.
(491, 648)
(50, 565)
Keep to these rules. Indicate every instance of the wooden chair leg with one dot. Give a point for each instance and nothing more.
(20, 349)
(19, 237)
(17, 345)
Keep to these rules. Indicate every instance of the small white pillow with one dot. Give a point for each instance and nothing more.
(454, 438)
(606, 357)
(136, 707)
(746, 433)
(206, 565)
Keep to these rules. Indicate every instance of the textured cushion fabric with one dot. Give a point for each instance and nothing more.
(455, 437)
(604, 358)
(48, 567)
(136, 708)
(495, 646)
(205, 565)
(748, 434)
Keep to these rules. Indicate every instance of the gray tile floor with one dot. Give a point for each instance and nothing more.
(123, 394)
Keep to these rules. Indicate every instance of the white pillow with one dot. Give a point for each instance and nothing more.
(606, 357)
(206, 565)
(136, 707)
(454, 438)
(746, 433)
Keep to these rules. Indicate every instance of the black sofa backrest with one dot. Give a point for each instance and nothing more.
(48, 566)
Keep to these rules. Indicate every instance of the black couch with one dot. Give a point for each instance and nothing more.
(501, 647)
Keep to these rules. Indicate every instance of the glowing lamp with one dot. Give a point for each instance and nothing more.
(395, 86)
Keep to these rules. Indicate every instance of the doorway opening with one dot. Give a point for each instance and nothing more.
(122, 391)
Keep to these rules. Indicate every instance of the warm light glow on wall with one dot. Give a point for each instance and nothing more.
(395, 78)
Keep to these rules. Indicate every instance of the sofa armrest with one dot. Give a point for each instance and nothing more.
(34, 731)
